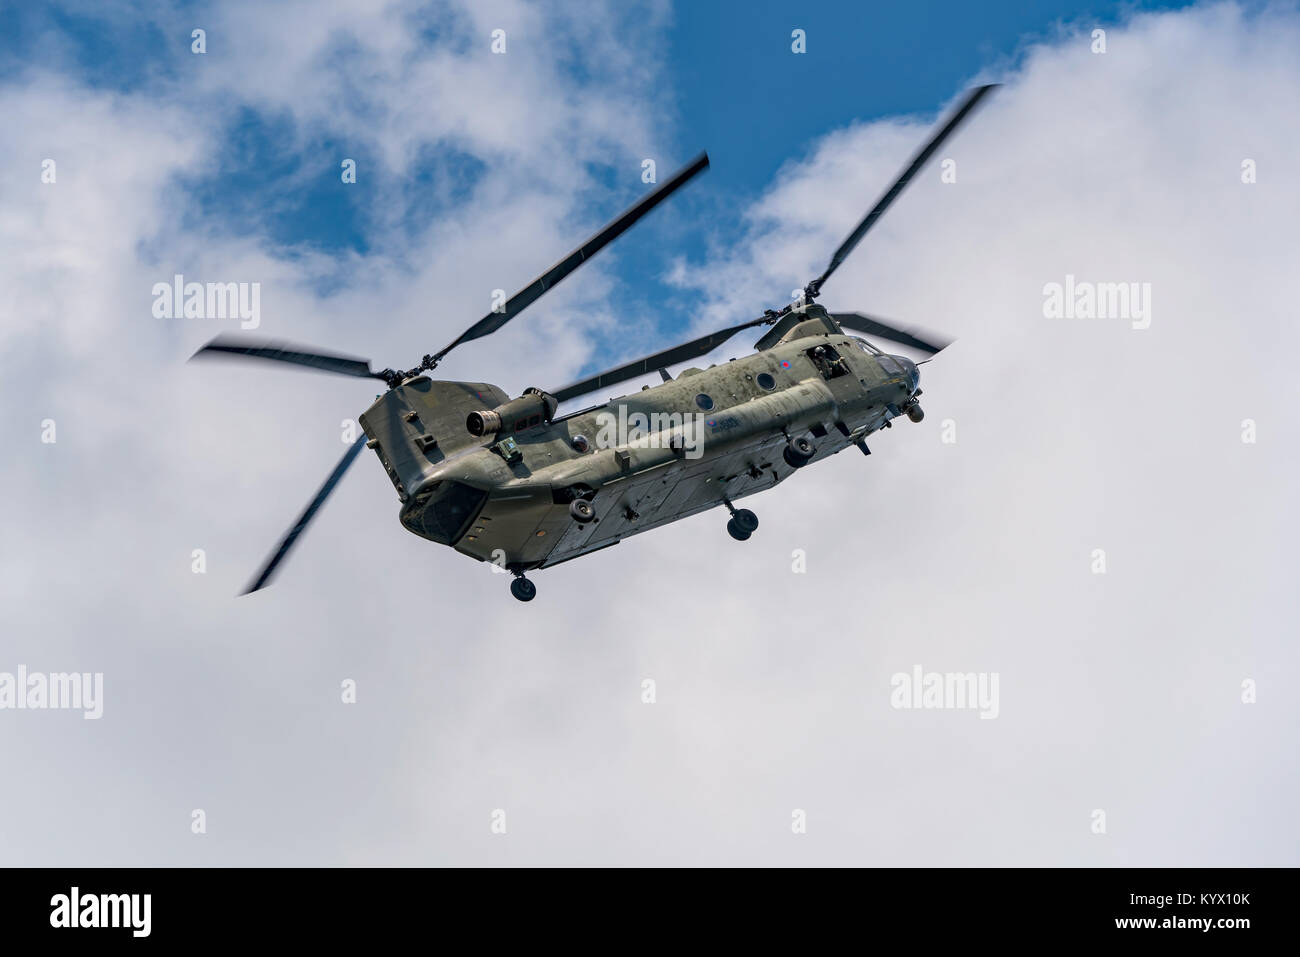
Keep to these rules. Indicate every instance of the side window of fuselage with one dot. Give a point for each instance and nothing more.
(829, 363)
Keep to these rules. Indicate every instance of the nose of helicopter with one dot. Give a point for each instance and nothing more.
(910, 370)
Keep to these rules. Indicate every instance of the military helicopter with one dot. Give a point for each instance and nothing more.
(507, 481)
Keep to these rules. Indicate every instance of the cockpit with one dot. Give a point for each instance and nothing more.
(899, 366)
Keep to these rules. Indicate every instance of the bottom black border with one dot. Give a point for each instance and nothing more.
(370, 904)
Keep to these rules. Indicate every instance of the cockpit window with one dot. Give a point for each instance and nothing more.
(866, 347)
(890, 365)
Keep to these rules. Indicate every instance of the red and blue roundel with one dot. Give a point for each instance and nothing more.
(785, 364)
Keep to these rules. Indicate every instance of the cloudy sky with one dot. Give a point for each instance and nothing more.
(967, 543)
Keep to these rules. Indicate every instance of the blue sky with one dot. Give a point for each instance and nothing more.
(733, 88)
(755, 105)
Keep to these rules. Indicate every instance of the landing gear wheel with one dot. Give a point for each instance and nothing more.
(799, 451)
(745, 520)
(736, 532)
(523, 589)
(916, 413)
(582, 511)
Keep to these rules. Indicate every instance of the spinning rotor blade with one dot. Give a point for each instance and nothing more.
(883, 330)
(644, 366)
(538, 287)
(227, 346)
(919, 160)
(307, 515)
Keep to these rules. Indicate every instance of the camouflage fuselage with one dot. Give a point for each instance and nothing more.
(511, 505)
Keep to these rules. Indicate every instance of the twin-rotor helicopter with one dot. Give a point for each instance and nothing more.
(505, 480)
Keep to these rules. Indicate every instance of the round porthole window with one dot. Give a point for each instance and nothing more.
(765, 381)
(580, 443)
(704, 402)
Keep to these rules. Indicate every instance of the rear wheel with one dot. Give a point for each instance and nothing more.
(736, 532)
(523, 589)
(745, 520)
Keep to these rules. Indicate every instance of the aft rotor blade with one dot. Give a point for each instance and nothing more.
(233, 346)
(548, 280)
(644, 366)
(919, 160)
(307, 515)
(916, 338)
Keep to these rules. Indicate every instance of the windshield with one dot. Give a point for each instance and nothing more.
(889, 364)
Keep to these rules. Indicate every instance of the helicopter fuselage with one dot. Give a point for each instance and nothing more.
(505, 481)
(706, 438)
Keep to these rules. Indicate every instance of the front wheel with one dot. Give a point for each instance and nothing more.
(799, 451)
(582, 511)
(523, 589)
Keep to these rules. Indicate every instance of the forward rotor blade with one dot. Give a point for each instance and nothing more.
(919, 160)
(644, 366)
(538, 287)
(227, 346)
(916, 338)
(307, 515)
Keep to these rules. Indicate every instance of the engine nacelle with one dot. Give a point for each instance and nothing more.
(532, 408)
